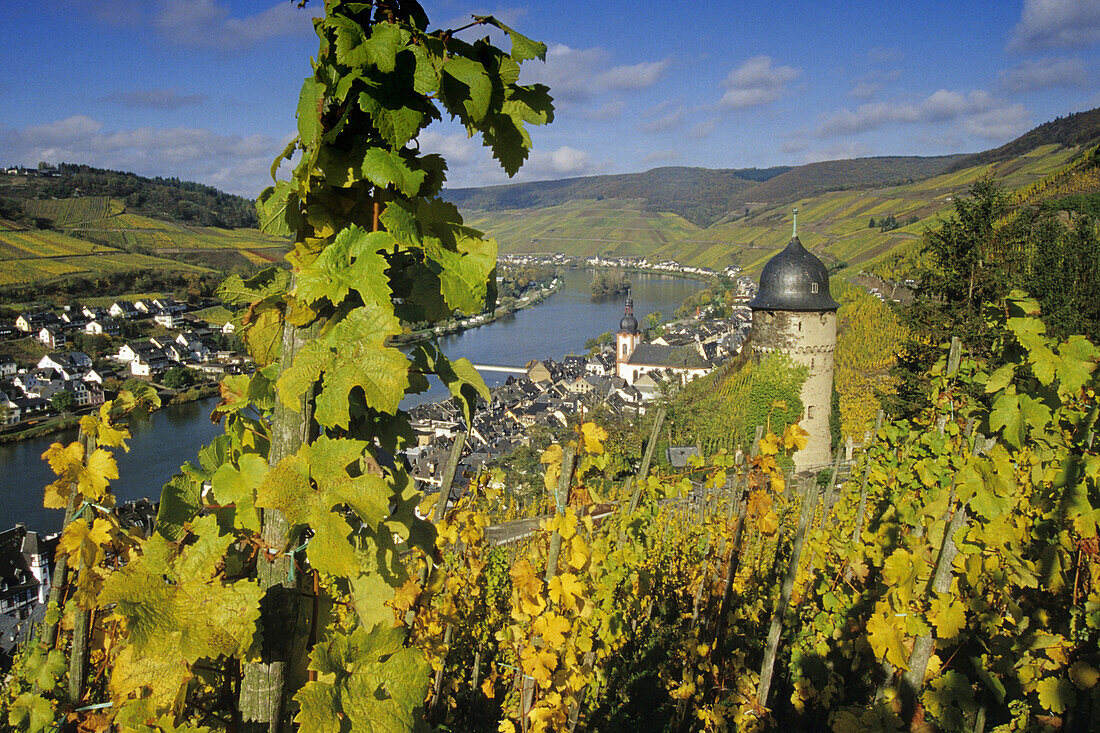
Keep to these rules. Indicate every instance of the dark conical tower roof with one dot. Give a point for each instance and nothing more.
(794, 280)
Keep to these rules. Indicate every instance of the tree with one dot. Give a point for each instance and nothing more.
(967, 262)
(179, 377)
(63, 401)
(871, 224)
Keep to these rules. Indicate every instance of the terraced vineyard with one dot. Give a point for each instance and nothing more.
(834, 225)
(95, 235)
(613, 227)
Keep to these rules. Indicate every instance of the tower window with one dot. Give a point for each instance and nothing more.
(624, 349)
(800, 325)
(809, 412)
(813, 287)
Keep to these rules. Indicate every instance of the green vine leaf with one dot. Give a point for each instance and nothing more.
(177, 610)
(351, 262)
(351, 355)
(523, 48)
(312, 486)
(368, 679)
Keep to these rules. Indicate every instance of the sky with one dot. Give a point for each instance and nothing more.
(205, 90)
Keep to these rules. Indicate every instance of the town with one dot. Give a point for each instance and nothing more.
(169, 347)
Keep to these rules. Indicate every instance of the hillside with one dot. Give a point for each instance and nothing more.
(843, 206)
(699, 195)
(91, 237)
(1075, 130)
(834, 175)
(171, 199)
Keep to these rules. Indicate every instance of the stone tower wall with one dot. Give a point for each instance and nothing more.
(809, 338)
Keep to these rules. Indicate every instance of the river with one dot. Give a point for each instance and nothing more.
(165, 440)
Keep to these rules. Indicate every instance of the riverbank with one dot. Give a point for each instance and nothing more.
(60, 424)
(459, 325)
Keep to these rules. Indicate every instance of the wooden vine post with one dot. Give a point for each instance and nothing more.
(263, 684)
(805, 519)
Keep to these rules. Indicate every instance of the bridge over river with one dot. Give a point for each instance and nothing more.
(503, 369)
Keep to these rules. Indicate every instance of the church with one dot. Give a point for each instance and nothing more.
(634, 358)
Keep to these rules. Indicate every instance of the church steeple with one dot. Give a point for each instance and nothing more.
(629, 324)
(628, 337)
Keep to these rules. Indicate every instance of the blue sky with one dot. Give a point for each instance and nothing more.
(206, 89)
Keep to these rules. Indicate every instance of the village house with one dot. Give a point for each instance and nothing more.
(70, 364)
(168, 319)
(102, 327)
(35, 322)
(123, 309)
(52, 337)
(94, 312)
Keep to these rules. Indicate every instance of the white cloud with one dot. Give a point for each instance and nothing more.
(795, 143)
(1001, 124)
(608, 111)
(756, 82)
(884, 55)
(661, 156)
(635, 76)
(577, 75)
(1049, 73)
(839, 151)
(703, 129)
(469, 163)
(663, 117)
(940, 106)
(868, 85)
(209, 24)
(564, 161)
(1056, 24)
(238, 164)
(162, 99)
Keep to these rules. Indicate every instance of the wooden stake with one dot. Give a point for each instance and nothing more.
(809, 505)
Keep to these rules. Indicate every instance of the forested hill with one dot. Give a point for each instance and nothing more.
(700, 195)
(1079, 129)
(162, 198)
(813, 179)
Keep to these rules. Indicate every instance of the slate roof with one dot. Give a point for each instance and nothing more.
(794, 280)
(667, 356)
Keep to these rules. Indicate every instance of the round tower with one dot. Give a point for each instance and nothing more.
(627, 339)
(795, 314)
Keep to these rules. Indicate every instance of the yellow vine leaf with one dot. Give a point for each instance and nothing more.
(553, 629)
(578, 553)
(538, 664)
(405, 596)
(1084, 675)
(96, 476)
(900, 572)
(565, 589)
(884, 635)
(769, 444)
(64, 459)
(794, 437)
(593, 436)
(948, 616)
(552, 458)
